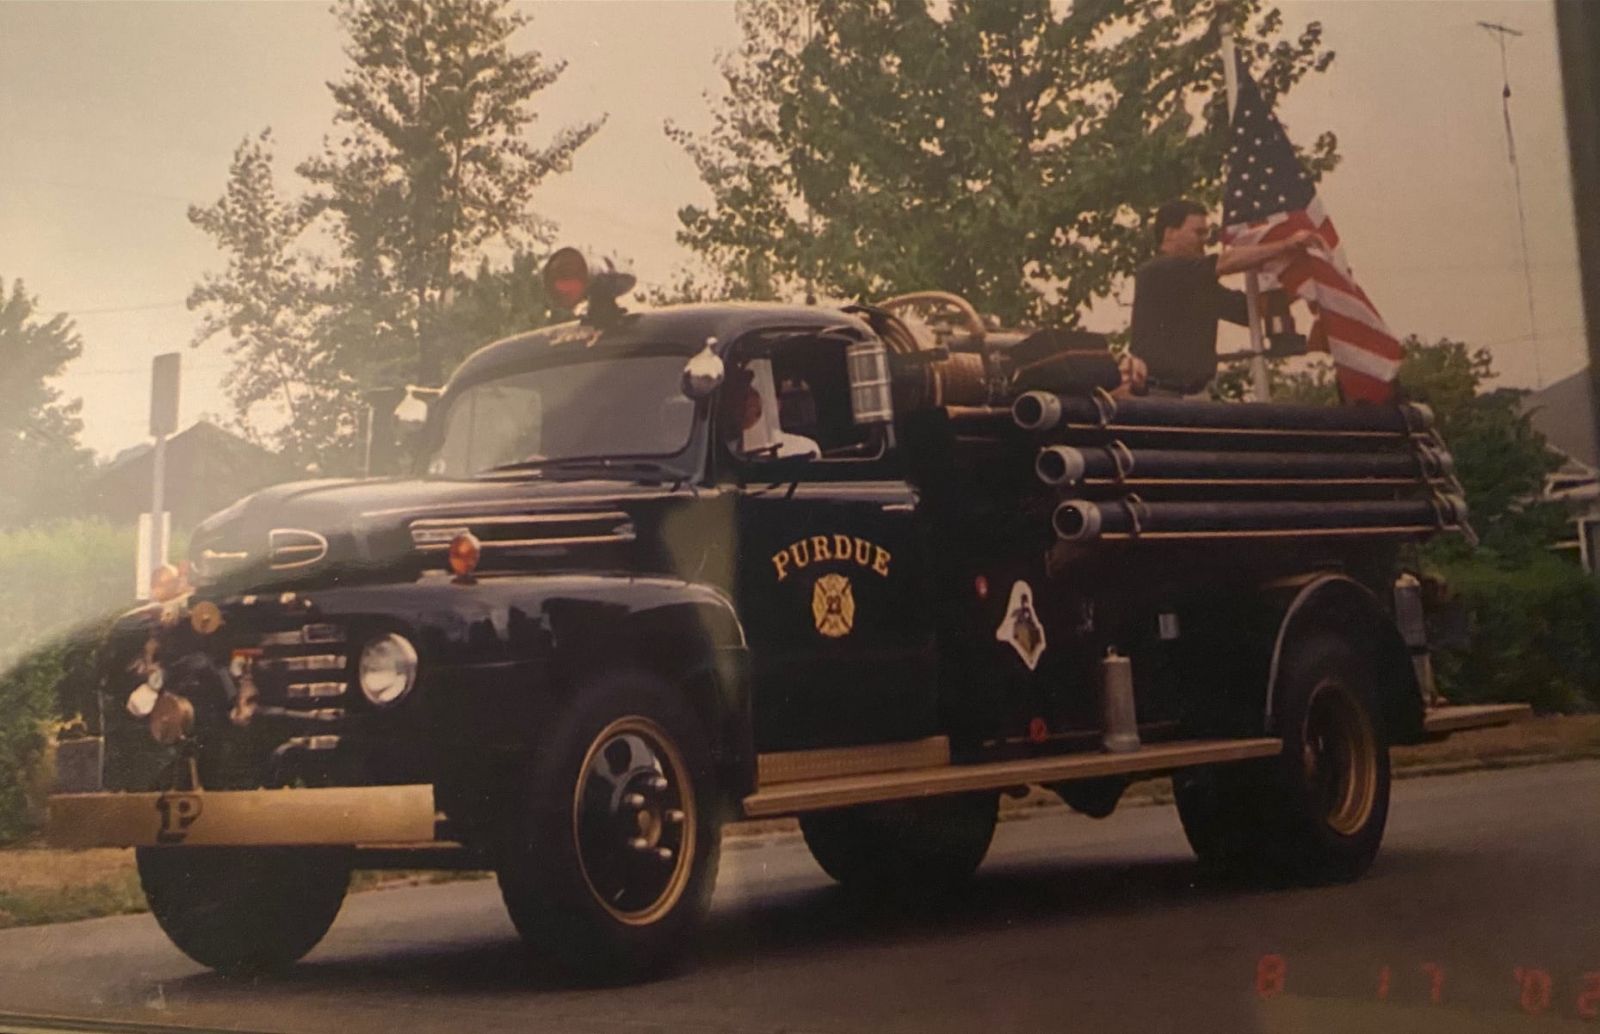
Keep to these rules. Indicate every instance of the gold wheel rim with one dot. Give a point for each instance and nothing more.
(1340, 757)
(626, 813)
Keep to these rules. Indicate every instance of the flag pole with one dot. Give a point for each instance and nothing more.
(1252, 286)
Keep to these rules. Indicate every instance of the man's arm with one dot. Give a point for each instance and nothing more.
(1252, 256)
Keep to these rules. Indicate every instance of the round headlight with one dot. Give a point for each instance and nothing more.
(388, 669)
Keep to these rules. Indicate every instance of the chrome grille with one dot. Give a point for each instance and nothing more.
(525, 531)
(309, 635)
(303, 667)
(309, 662)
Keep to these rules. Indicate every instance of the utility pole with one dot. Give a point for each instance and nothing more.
(152, 548)
(1503, 34)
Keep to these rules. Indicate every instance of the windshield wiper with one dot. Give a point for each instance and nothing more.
(583, 466)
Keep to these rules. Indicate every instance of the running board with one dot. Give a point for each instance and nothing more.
(844, 791)
(1473, 716)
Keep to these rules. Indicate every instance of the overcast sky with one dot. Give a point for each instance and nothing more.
(114, 117)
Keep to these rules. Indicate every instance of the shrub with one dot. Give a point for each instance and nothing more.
(1533, 634)
(58, 584)
(30, 706)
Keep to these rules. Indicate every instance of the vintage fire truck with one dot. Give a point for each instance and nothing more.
(873, 567)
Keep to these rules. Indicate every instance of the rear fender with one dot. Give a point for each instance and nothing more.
(1340, 604)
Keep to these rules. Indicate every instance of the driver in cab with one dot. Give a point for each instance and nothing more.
(750, 416)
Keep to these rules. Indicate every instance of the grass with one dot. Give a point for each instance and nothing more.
(45, 885)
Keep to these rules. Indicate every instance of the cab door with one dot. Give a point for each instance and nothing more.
(833, 588)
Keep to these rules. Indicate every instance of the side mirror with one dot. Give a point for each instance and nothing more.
(704, 372)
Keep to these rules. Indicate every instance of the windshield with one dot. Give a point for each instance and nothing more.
(606, 407)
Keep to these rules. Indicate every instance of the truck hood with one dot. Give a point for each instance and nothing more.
(349, 529)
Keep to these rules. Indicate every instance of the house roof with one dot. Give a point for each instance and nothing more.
(1564, 412)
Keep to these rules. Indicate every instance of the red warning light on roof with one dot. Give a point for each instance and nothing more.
(566, 278)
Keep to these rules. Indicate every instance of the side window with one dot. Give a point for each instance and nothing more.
(792, 399)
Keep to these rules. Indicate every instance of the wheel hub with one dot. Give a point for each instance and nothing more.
(633, 819)
(1340, 757)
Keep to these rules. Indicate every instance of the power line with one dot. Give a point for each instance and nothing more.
(120, 308)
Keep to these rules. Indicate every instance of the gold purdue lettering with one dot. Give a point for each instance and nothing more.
(838, 549)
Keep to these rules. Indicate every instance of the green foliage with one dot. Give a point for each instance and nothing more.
(59, 583)
(1532, 634)
(38, 429)
(269, 303)
(431, 164)
(56, 576)
(118, 894)
(31, 692)
(1500, 459)
(1006, 150)
(428, 174)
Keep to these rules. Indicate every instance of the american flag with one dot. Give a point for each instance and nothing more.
(1269, 196)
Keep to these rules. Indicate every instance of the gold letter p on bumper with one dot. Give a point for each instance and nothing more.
(245, 818)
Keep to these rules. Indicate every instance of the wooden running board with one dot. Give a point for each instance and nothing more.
(791, 798)
(1473, 716)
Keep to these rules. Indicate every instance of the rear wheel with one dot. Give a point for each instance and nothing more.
(615, 857)
(243, 911)
(917, 847)
(1316, 813)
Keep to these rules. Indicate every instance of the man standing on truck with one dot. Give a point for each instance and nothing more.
(1177, 300)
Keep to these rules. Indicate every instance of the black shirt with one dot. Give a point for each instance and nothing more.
(1176, 304)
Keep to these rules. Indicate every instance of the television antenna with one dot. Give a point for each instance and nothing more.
(1503, 34)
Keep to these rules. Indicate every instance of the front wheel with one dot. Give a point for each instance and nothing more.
(243, 911)
(1316, 813)
(615, 856)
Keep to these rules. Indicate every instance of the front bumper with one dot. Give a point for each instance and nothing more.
(324, 816)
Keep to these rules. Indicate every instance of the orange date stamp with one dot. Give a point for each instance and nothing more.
(1533, 990)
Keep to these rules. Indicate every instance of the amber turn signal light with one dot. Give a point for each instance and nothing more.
(464, 554)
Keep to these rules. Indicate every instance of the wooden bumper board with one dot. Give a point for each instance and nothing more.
(844, 791)
(1473, 716)
(245, 818)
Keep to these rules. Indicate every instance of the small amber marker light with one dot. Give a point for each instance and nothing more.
(464, 554)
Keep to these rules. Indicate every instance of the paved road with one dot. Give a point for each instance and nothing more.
(1072, 925)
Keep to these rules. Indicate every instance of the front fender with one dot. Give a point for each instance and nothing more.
(501, 654)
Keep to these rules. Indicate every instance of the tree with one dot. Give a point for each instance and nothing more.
(38, 428)
(1532, 612)
(1500, 459)
(430, 168)
(268, 302)
(1002, 149)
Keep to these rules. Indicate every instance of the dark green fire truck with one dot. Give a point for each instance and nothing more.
(658, 571)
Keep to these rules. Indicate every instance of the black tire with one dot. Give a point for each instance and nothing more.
(904, 848)
(1316, 812)
(608, 874)
(243, 911)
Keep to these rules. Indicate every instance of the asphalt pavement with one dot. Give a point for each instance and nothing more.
(1481, 913)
